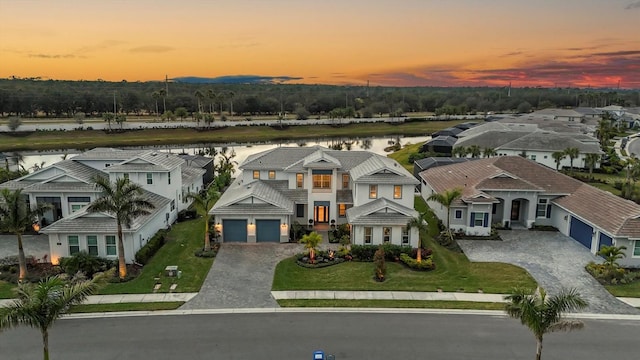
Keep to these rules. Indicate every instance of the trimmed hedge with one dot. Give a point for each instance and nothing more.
(425, 265)
(150, 248)
(391, 252)
(86, 263)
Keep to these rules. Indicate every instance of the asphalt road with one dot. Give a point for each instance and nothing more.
(296, 335)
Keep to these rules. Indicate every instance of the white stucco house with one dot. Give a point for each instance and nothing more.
(68, 186)
(318, 187)
(519, 192)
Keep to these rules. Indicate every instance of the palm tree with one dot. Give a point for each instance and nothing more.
(230, 95)
(212, 96)
(108, 117)
(489, 152)
(203, 203)
(558, 156)
(572, 153)
(542, 314)
(16, 217)
(612, 254)
(163, 93)
(156, 95)
(421, 225)
(459, 151)
(124, 200)
(590, 160)
(474, 151)
(40, 305)
(446, 199)
(311, 242)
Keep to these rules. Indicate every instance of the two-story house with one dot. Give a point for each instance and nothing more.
(69, 187)
(315, 186)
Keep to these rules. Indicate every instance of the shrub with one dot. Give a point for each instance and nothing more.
(146, 252)
(391, 251)
(425, 265)
(209, 254)
(85, 263)
(606, 274)
(425, 253)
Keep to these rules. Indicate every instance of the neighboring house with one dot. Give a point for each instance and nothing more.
(427, 163)
(440, 144)
(9, 162)
(69, 187)
(517, 192)
(570, 115)
(317, 187)
(537, 145)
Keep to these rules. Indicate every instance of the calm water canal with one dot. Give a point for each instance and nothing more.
(376, 145)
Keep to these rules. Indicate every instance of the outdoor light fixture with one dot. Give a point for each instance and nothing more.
(36, 227)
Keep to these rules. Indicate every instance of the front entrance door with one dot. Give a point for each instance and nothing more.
(321, 214)
(515, 210)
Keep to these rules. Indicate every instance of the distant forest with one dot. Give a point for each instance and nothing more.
(52, 98)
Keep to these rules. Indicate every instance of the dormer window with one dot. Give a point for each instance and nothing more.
(397, 191)
(149, 178)
(256, 174)
(373, 191)
(272, 174)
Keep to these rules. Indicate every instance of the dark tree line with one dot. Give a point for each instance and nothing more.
(52, 98)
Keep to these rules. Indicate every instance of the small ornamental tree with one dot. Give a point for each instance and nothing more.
(311, 242)
(378, 260)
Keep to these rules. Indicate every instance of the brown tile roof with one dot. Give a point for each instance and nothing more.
(547, 179)
(506, 183)
(615, 215)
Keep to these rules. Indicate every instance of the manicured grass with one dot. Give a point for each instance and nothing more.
(435, 304)
(150, 306)
(606, 187)
(93, 138)
(182, 241)
(7, 290)
(625, 290)
(402, 155)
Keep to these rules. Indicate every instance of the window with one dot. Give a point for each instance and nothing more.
(533, 157)
(76, 207)
(342, 210)
(79, 199)
(173, 205)
(368, 235)
(299, 210)
(92, 244)
(169, 178)
(322, 181)
(397, 191)
(300, 180)
(256, 174)
(345, 181)
(479, 219)
(458, 214)
(110, 245)
(149, 178)
(126, 176)
(386, 234)
(405, 235)
(373, 191)
(542, 209)
(272, 174)
(74, 245)
(636, 248)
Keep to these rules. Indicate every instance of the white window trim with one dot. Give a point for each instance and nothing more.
(633, 249)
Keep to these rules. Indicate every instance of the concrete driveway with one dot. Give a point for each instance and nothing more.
(34, 245)
(241, 277)
(553, 259)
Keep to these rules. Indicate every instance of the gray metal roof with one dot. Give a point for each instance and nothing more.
(196, 160)
(363, 214)
(149, 161)
(83, 222)
(490, 139)
(258, 189)
(299, 196)
(258, 209)
(549, 141)
(387, 178)
(377, 164)
(108, 154)
(320, 158)
(191, 174)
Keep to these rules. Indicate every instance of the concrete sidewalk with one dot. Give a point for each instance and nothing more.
(317, 295)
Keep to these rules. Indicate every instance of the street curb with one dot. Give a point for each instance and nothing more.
(495, 313)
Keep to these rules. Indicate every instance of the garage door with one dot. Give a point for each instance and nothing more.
(581, 232)
(268, 230)
(234, 230)
(604, 240)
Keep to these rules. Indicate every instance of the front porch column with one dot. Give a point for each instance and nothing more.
(506, 213)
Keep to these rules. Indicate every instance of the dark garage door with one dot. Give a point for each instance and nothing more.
(604, 240)
(267, 230)
(581, 232)
(234, 230)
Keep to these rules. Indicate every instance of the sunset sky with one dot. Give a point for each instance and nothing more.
(388, 42)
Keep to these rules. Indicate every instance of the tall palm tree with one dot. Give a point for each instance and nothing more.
(474, 151)
(459, 151)
(311, 242)
(543, 314)
(446, 199)
(211, 95)
(163, 94)
(489, 152)
(558, 156)
(16, 217)
(590, 160)
(422, 227)
(203, 203)
(572, 153)
(230, 95)
(124, 200)
(40, 305)
(156, 95)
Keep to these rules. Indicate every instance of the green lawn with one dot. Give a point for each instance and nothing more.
(150, 306)
(625, 290)
(454, 272)
(436, 304)
(402, 155)
(7, 290)
(183, 240)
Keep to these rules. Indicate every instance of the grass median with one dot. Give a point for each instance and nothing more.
(405, 304)
(147, 306)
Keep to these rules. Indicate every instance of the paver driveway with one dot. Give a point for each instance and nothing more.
(553, 259)
(241, 277)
